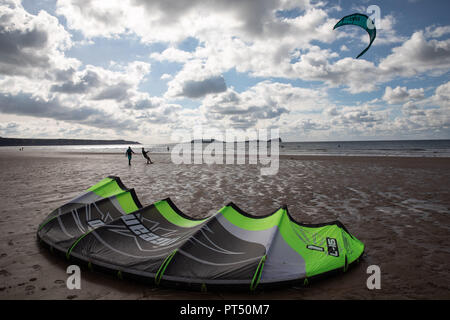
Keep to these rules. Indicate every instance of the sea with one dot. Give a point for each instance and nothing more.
(399, 148)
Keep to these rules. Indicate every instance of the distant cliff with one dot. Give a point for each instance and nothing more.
(58, 142)
(246, 141)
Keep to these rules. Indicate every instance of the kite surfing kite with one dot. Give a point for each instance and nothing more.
(363, 21)
(106, 228)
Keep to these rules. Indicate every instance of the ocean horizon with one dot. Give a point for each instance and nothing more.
(402, 148)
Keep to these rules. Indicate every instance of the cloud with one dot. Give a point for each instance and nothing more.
(166, 76)
(174, 20)
(418, 55)
(89, 79)
(164, 114)
(144, 102)
(442, 95)
(402, 94)
(172, 54)
(118, 92)
(436, 108)
(360, 116)
(357, 75)
(262, 105)
(246, 35)
(411, 109)
(31, 45)
(198, 89)
(387, 33)
(331, 111)
(9, 129)
(306, 125)
(26, 105)
(437, 32)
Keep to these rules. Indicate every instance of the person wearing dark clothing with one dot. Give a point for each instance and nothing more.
(129, 153)
(144, 153)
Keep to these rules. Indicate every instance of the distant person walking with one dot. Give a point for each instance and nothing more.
(144, 153)
(129, 153)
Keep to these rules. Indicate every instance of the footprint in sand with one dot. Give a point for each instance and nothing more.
(4, 273)
(3, 255)
(29, 290)
(36, 267)
(72, 297)
(60, 282)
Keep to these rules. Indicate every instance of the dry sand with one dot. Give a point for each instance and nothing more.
(399, 207)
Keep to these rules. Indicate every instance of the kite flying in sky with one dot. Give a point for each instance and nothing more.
(363, 21)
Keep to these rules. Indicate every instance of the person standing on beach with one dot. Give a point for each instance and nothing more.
(144, 153)
(129, 154)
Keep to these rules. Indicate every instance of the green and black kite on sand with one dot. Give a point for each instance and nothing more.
(107, 228)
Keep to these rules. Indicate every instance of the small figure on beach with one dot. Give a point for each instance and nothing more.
(144, 153)
(129, 153)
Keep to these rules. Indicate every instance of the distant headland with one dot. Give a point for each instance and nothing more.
(58, 142)
(246, 141)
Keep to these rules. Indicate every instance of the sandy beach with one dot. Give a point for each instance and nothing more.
(398, 206)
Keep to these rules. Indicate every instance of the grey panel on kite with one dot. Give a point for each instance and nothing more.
(159, 243)
(363, 21)
(99, 205)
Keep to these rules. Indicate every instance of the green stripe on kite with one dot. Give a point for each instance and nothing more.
(163, 267)
(243, 221)
(174, 217)
(258, 273)
(106, 188)
(75, 243)
(126, 201)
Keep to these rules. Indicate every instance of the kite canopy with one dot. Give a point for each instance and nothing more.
(100, 204)
(161, 244)
(363, 21)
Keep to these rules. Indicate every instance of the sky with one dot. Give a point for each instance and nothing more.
(149, 70)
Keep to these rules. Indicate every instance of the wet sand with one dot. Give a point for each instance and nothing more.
(399, 207)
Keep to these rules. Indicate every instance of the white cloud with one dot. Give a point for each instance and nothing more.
(418, 55)
(172, 54)
(263, 105)
(172, 20)
(387, 33)
(166, 76)
(402, 94)
(437, 32)
(32, 45)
